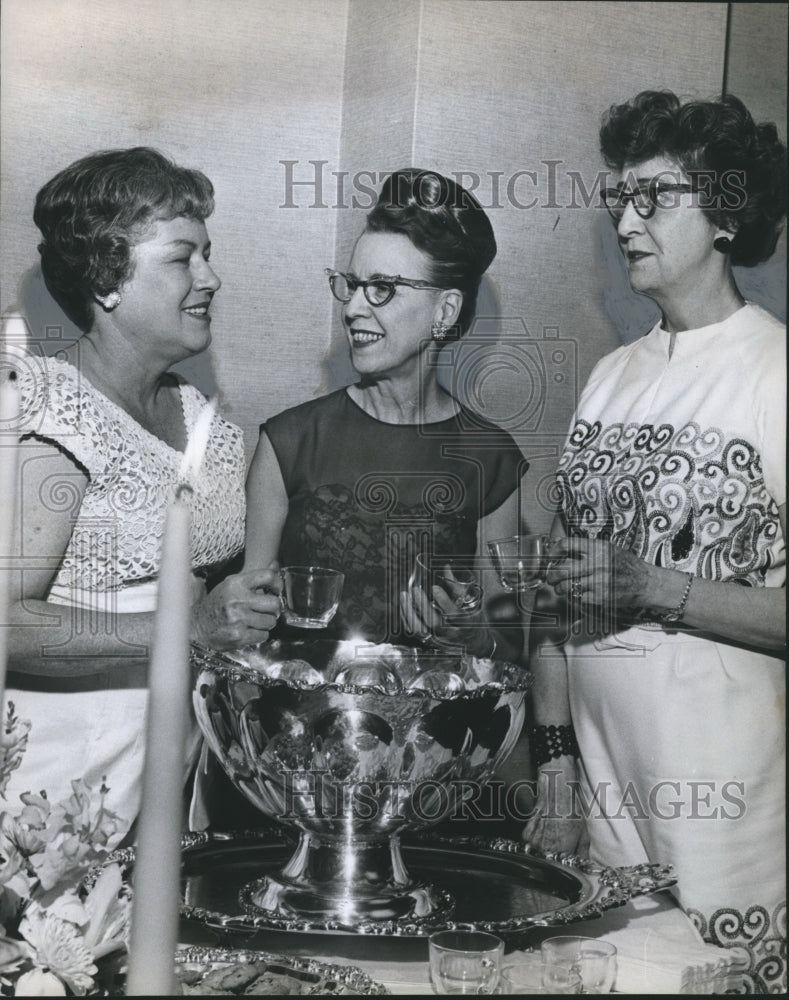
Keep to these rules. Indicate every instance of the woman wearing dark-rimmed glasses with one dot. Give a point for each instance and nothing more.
(673, 485)
(368, 476)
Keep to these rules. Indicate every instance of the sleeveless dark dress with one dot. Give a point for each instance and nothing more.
(365, 497)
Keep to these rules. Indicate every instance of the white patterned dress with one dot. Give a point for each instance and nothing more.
(94, 728)
(682, 460)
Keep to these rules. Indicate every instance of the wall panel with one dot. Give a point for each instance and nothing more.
(508, 87)
(231, 87)
(756, 72)
(350, 86)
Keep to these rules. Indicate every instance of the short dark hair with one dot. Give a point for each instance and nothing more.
(446, 223)
(91, 214)
(720, 139)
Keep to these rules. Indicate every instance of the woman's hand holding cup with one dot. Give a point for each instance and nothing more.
(239, 611)
(443, 605)
(522, 561)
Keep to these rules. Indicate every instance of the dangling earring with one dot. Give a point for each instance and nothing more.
(110, 301)
(722, 244)
(438, 331)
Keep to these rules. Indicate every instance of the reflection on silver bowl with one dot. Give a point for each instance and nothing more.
(353, 744)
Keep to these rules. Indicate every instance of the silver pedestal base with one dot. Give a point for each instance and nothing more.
(347, 882)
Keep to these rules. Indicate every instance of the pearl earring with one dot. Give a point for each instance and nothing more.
(111, 301)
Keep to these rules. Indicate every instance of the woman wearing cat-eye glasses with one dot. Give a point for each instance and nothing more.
(365, 478)
(673, 486)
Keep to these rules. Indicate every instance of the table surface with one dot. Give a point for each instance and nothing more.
(656, 945)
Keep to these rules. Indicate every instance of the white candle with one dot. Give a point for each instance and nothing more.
(154, 933)
(157, 867)
(13, 341)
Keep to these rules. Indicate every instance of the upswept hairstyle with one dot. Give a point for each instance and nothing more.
(446, 223)
(91, 214)
(745, 162)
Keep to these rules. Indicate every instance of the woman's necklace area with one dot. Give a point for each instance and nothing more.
(402, 411)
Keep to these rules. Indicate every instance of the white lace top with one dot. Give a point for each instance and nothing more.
(119, 523)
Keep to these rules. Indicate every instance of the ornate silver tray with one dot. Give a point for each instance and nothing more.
(351, 746)
(225, 972)
(498, 885)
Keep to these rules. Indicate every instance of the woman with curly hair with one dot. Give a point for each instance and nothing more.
(125, 252)
(673, 485)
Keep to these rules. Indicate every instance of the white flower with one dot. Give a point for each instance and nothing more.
(39, 983)
(45, 848)
(12, 861)
(66, 906)
(13, 743)
(59, 947)
(28, 831)
(12, 953)
(103, 917)
(81, 830)
(108, 909)
(89, 817)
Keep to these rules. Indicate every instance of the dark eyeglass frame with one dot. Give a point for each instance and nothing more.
(391, 281)
(616, 200)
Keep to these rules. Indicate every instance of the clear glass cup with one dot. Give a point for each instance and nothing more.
(528, 977)
(465, 961)
(521, 561)
(594, 960)
(458, 578)
(311, 595)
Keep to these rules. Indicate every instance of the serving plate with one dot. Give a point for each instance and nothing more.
(220, 972)
(498, 885)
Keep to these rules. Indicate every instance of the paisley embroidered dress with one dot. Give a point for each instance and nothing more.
(94, 727)
(366, 497)
(682, 461)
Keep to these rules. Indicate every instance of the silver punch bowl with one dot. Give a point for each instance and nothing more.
(352, 744)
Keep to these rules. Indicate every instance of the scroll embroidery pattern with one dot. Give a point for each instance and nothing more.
(758, 940)
(682, 497)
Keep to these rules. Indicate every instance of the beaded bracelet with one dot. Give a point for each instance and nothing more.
(674, 615)
(550, 742)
